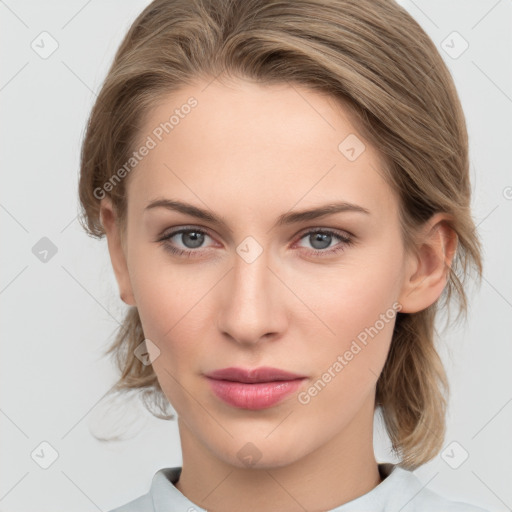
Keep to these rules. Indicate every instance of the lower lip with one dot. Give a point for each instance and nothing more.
(253, 396)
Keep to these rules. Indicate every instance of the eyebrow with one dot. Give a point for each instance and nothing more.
(285, 219)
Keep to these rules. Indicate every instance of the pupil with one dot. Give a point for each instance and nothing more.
(324, 240)
(197, 239)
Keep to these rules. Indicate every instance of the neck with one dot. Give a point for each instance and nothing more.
(335, 473)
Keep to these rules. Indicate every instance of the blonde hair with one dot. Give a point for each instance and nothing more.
(368, 54)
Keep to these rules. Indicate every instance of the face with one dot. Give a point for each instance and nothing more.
(254, 284)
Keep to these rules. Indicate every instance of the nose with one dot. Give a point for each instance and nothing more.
(252, 303)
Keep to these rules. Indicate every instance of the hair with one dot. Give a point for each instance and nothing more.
(369, 55)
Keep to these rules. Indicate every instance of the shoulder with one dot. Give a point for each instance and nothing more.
(141, 504)
(430, 501)
(161, 494)
(414, 496)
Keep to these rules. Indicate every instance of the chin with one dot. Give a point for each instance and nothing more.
(259, 453)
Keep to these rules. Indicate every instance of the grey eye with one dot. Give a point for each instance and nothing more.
(320, 240)
(192, 239)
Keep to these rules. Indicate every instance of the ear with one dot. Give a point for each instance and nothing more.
(117, 253)
(428, 269)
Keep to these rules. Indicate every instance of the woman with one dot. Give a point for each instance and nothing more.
(285, 194)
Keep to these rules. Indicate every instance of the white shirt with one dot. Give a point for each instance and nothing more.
(400, 490)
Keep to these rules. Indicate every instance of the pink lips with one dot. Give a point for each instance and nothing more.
(253, 389)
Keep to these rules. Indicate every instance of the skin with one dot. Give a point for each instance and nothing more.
(250, 153)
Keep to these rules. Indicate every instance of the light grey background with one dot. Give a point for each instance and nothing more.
(59, 315)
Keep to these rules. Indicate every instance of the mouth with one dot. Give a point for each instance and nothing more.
(255, 389)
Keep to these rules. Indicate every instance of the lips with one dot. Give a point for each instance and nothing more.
(262, 374)
(255, 389)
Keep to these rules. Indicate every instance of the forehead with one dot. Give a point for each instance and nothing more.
(256, 146)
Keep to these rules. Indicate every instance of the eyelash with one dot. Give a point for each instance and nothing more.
(189, 253)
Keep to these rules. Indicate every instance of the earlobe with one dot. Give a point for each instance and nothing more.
(428, 269)
(117, 253)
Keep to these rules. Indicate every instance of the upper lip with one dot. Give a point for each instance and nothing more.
(261, 374)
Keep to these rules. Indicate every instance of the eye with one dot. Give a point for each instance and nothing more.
(190, 238)
(321, 240)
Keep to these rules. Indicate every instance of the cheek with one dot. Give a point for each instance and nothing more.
(166, 292)
(358, 316)
(352, 298)
(348, 368)
(173, 314)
